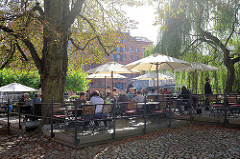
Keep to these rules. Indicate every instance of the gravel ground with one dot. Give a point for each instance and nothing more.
(192, 141)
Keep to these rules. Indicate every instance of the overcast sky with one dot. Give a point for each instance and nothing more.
(145, 17)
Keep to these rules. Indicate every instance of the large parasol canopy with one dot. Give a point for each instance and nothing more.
(16, 87)
(156, 62)
(110, 68)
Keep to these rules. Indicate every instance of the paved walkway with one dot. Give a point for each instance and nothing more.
(192, 141)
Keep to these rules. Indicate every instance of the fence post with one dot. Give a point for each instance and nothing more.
(145, 115)
(19, 115)
(191, 106)
(225, 108)
(114, 119)
(76, 140)
(8, 113)
(52, 101)
(170, 111)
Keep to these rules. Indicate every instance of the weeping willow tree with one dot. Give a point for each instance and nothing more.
(207, 28)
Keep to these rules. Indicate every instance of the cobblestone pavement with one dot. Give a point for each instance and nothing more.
(192, 141)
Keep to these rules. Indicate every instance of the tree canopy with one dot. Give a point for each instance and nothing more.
(208, 27)
(43, 33)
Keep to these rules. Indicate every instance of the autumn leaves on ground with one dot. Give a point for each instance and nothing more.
(192, 141)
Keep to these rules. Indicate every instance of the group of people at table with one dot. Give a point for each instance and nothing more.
(132, 95)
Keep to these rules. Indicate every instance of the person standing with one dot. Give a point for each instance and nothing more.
(208, 90)
(130, 85)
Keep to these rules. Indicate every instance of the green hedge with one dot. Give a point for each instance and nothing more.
(76, 80)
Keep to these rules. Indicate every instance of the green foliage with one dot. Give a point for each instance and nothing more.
(76, 81)
(74, 97)
(179, 37)
(28, 78)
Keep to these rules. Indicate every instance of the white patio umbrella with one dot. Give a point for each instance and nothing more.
(153, 76)
(196, 66)
(157, 62)
(110, 68)
(16, 87)
(105, 76)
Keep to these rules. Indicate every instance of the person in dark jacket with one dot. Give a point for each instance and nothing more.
(183, 98)
(208, 90)
(130, 85)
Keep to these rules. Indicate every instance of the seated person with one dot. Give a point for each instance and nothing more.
(25, 101)
(115, 93)
(139, 97)
(108, 98)
(36, 99)
(184, 96)
(122, 106)
(81, 100)
(96, 99)
(165, 91)
(131, 93)
(152, 91)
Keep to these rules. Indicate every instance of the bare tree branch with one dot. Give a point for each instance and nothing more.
(11, 56)
(77, 7)
(94, 30)
(237, 59)
(27, 43)
(79, 47)
(38, 8)
(22, 53)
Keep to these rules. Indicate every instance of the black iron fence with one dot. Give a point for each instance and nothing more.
(82, 118)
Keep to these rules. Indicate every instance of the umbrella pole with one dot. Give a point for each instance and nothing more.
(112, 79)
(105, 84)
(157, 79)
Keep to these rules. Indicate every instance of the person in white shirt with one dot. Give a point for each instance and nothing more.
(139, 97)
(96, 99)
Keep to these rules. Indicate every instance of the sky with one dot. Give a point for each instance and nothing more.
(144, 15)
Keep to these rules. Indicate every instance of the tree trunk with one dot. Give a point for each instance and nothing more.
(54, 59)
(230, 75)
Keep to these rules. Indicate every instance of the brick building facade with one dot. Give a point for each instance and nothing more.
(132, 49)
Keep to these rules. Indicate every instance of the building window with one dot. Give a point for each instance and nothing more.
(143, 49)
(122, 57)
(137, 50)
(124, 40)
(130, 57)
(90, 46)
(130, 49)
(117, 49)
(121, 49)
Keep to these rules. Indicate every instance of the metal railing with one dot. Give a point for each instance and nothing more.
(115, 115)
